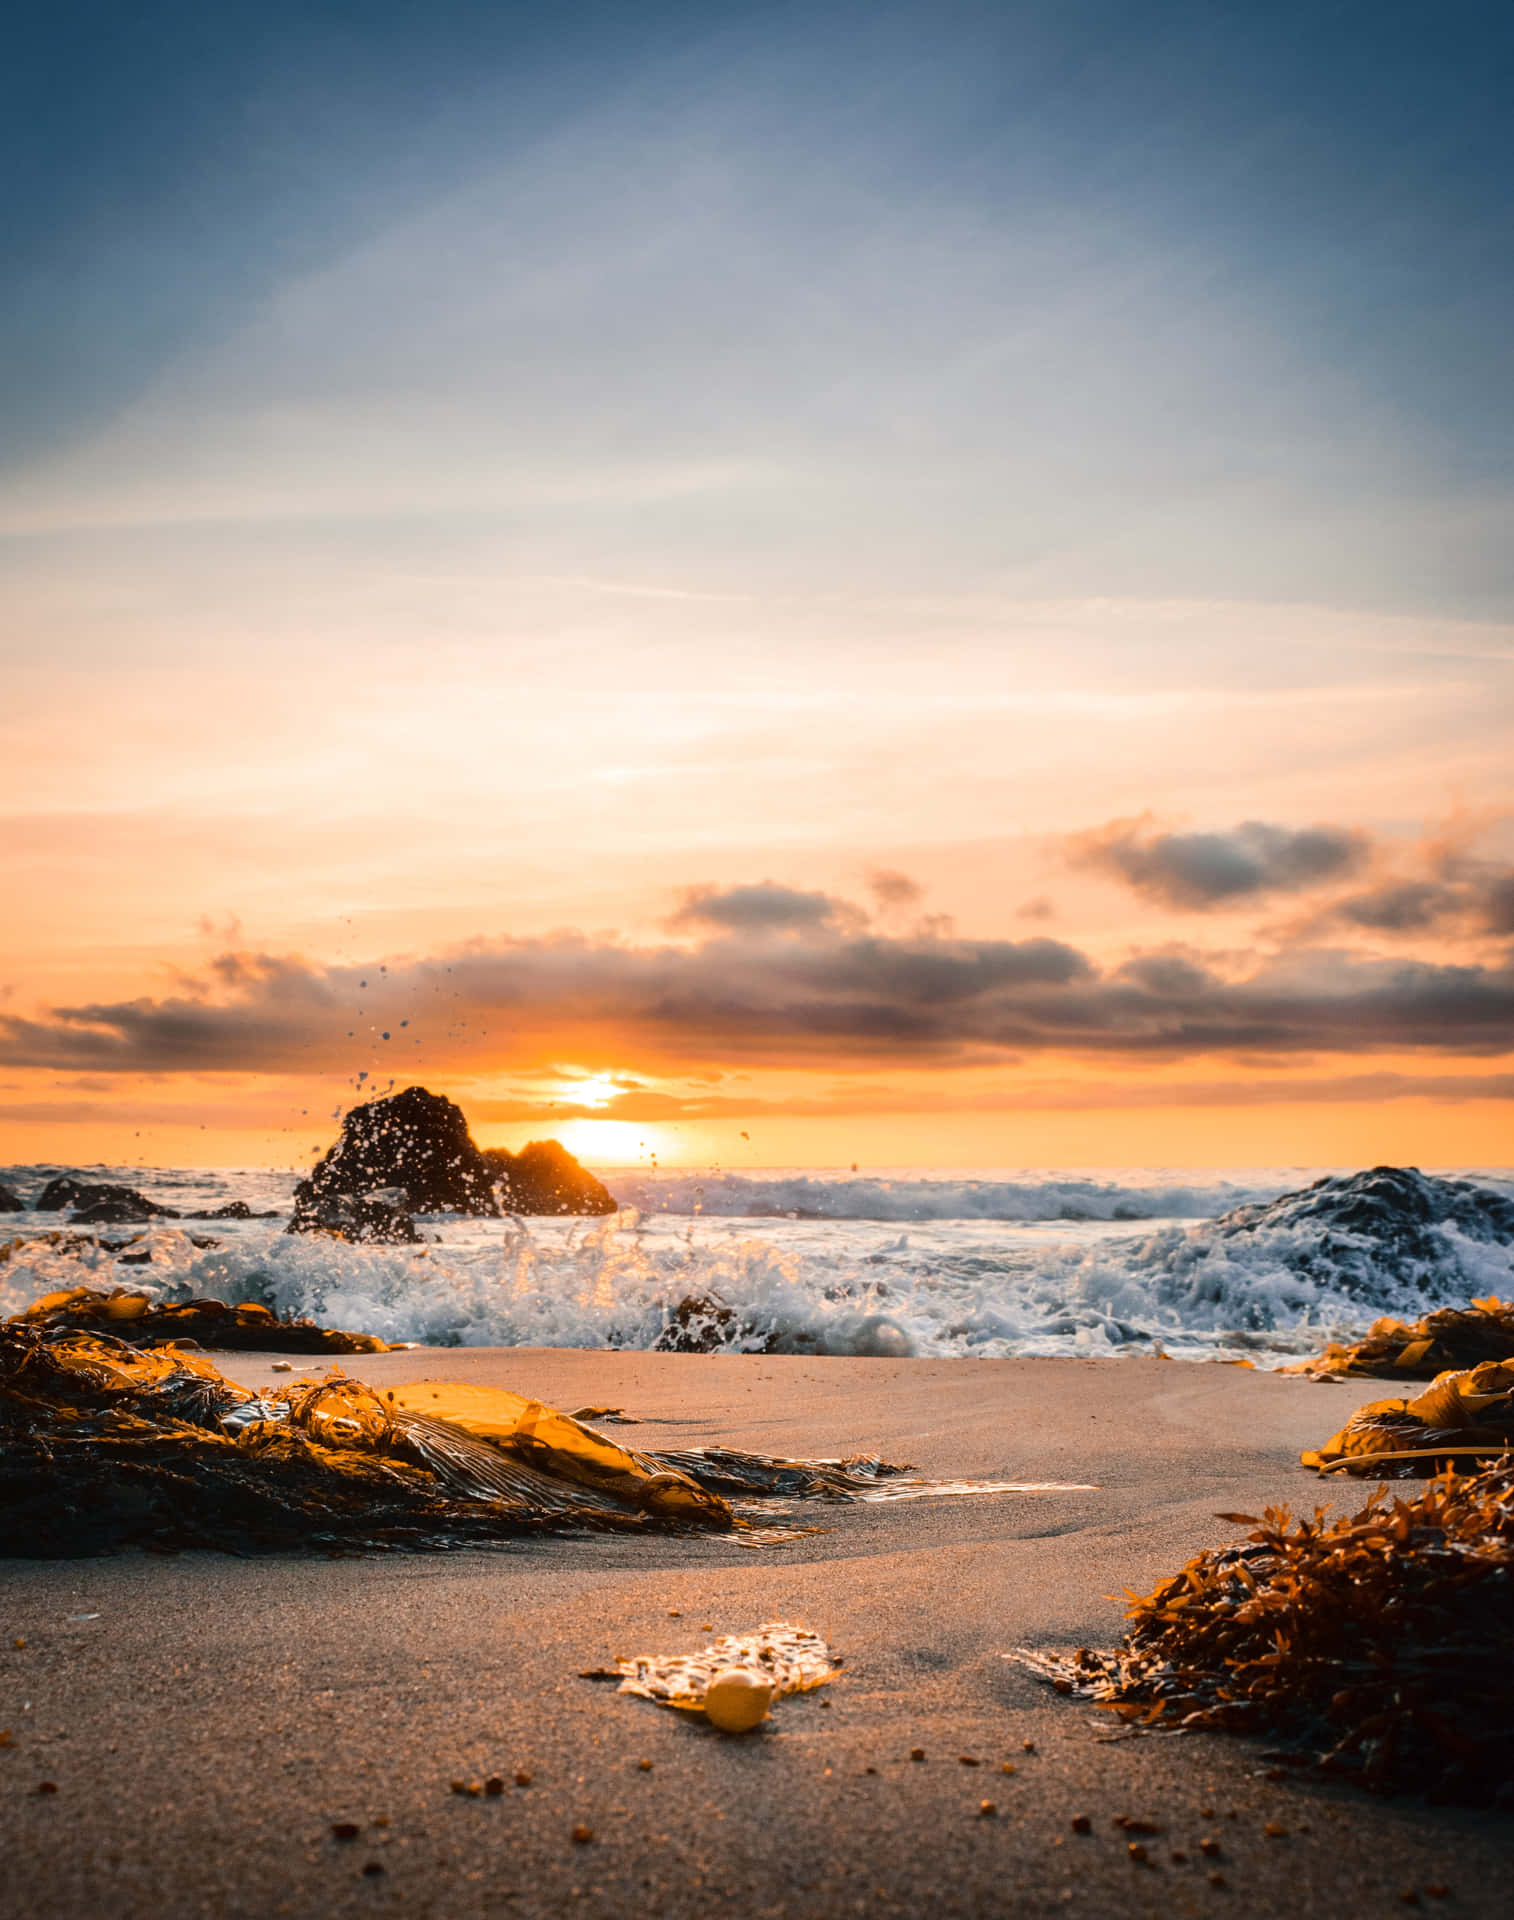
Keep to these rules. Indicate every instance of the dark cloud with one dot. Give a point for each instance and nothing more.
(817, 995)
(1469, 898)
(1200, 870)
(763, 908)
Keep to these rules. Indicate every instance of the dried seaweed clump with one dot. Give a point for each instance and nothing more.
(1461, 1416)
(1451, 1337)
(133, 1317)
(1384, 1642)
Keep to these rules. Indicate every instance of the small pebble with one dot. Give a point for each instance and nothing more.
(282, 1366)
(674, 1613)
(917, 1753)
(47, 1786)
(869, 1769)
(1409, 1897)
(522, 1778)
(345, 1829)
(968, 1760)
(18, 1645)
(708, 1627)
(1209, 1846)
(494, 1786)
(1028, 1746)
(1206, 1813)
(1218, 1880)
(382, 1820)
(373, 1868)
(1178, 1857)
(986, 1809)
(1080, 1823)
(1137, 1852)
(1274, 1773)
(645, 1765)
(1274, 1832)
(1439, 1891)
(582, 1835)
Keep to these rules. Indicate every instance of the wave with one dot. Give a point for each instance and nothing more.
(1267, 1281)
(781, 1195)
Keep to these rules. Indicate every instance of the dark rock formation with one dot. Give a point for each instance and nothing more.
(9, 1202)
(234, 1210)
(1397, 1210)
(545, 1178)
(379, 1217)
(414, 1147)
(86, 1198)
(415, 1140)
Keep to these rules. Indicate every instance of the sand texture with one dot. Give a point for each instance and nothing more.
(207, 1720)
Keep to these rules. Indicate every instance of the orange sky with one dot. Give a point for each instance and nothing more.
(794, 591)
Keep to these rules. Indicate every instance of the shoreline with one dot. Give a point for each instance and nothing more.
(206, 1730)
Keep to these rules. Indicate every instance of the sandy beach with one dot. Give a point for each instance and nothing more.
(207, 1720)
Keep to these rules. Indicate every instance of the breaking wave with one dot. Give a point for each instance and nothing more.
(1265, 1281)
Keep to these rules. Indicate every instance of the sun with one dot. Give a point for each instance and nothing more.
(598, 1090)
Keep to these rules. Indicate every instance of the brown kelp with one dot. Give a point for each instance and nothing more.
(1449, 1337)
(1463, 1415)
(1381, 1643)
(135, 1317)
(104, 1444)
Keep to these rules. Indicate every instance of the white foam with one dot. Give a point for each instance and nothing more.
(946, 1287)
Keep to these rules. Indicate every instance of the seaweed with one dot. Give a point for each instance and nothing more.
(1464, 1413)
(1449, 1337)
(1382, 1641)
(105, 1445)
(134, 1317)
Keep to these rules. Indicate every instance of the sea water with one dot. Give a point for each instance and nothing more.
(941, 1262)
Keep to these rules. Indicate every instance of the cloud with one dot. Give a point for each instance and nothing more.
(782, 978)
(894, 891)
(763, 908)
(1202, 870)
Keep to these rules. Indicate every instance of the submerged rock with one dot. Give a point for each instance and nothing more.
(376, 1217)
(417, 1144)
(234, 1210)
(545, 1178)
(1398, 1209)
(9, 1203)
(1386, 1238)
(100, 1203)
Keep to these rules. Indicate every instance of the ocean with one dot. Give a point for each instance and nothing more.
(983, 1263)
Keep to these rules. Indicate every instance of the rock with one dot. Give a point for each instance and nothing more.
(87, 1199)
(545, 1178)
(129, 1212)
(697, 1325)
(9, 1203)
(377, 1217)
(419, 1142)
(415, 1140)
(234, 1210)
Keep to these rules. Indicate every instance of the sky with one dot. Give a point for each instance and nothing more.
(770, 584)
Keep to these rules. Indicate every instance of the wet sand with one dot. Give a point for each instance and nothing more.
(210, 1725)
